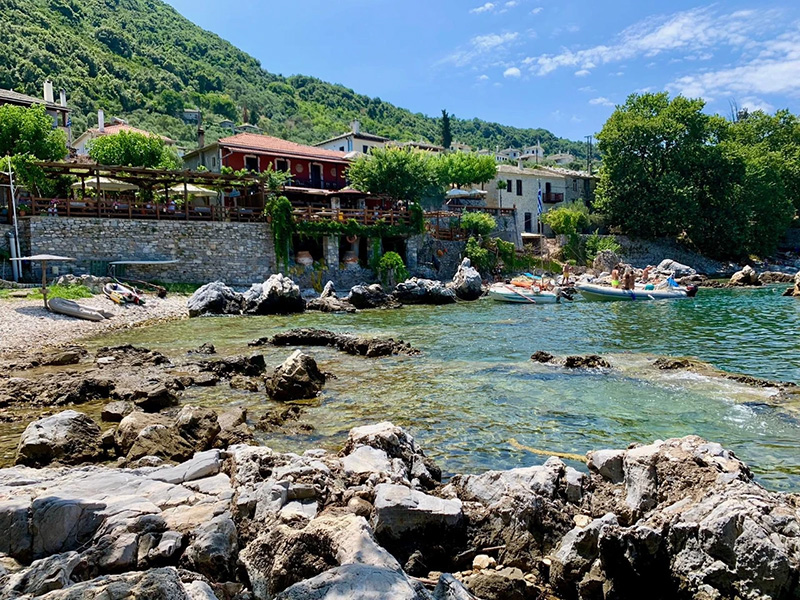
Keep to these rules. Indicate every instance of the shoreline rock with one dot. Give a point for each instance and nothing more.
(683, 512)
(351, 344)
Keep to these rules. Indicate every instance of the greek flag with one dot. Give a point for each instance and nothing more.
(539, 207)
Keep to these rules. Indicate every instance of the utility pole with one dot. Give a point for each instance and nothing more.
(589, 154)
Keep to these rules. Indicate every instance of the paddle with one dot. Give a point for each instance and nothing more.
(531, 300)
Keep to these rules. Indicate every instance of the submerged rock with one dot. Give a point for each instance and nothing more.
(369, 347)
(423, 291)
(542, 357)
(298, 378)
(215, 298)
(248, 366)
(467, 283)
(278, 295)
(590, 361)
(69, 438)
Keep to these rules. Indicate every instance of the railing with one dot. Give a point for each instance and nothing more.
(315, 184)
(123, 209)
(552, 197)
(363, 216)
(446, 225)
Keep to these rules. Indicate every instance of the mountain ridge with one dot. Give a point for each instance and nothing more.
(143, 61)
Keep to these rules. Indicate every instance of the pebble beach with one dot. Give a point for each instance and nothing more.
(26, 325)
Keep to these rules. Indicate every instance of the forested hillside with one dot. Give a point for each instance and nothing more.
(141, 60)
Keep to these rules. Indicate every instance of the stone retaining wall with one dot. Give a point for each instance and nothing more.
(4, 229)
(641, 253)
(237, 253)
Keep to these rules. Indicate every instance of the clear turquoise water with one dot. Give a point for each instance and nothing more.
(474, 387)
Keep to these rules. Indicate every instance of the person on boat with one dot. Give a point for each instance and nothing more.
(615, 277)
(646, 273)
(565, 275)
(628, 279)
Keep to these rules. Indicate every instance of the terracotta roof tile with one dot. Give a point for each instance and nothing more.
(266, 143)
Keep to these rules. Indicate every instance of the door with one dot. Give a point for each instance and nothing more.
(316, 176)
(547, 189)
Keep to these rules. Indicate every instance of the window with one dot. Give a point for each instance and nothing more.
(281, 164)
(519, 187)
(508, 186)
(365, 149)
(574, 185)
(528, 223)
(213, 162)
(251, 163)
(341, 148)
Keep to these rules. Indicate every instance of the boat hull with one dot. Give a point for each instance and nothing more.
(73, 309)
(602, 293)
(521, 296)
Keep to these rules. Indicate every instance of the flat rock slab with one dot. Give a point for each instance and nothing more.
(399, 510)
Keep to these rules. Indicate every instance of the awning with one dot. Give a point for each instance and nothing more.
(106, 184)
(194, 190)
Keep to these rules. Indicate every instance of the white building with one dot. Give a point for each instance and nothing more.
(561, 158)
(535, 151)
(354, 140)
(520, 191)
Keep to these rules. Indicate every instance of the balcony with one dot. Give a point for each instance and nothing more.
(314, 184)
(552, 197)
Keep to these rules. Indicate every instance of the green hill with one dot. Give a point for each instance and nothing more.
(142, 61)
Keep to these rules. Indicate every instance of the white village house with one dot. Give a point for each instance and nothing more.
(354, 140)
(81, 142)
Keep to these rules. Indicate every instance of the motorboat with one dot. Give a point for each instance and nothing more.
(506, 292)
(605, 293)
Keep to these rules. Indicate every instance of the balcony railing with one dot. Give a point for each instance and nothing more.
(552, 197)
(314, 184)
(363, 216)
(123, 209)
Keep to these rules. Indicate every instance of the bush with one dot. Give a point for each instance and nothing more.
(568, 219)
(595, 244)
(391, 267)
(478, 223)
(478, 256)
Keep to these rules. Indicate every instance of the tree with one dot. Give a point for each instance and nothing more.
(445, 135)
(27, 136)
(654, 149)
(132, 149)
(30, 131)
(402, 173)
(464, 168)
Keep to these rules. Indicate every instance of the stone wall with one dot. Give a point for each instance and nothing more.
(451, 254)
(237, 253)
(4, 229)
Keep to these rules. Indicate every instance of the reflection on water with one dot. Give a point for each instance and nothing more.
(474, 387)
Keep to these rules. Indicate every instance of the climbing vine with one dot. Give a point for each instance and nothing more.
(391, 267)
(279, 214)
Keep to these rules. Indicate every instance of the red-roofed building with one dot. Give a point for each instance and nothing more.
(82, 141)
(310, 167)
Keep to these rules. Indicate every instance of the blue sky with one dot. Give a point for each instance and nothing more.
(562, 66)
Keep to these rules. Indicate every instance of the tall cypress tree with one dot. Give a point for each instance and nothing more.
(446, 135)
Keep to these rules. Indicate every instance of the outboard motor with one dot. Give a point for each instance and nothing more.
(691, 291)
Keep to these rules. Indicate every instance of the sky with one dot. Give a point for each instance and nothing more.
(562, 66)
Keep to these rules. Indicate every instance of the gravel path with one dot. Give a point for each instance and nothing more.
(26, 325)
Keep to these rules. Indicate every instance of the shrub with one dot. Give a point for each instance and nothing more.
(391, 267)
(478, 223)
(477, 255)
(568, 219)
(595, 244)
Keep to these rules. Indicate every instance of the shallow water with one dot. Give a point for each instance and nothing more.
(475, 388)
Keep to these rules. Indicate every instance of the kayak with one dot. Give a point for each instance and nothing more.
(121, 294)
(73, 309)
(505, 292)
(604, 293)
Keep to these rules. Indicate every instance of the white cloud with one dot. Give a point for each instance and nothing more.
(752, 104)
(512, 72)
(601, 101)
(773, 68)
(696, 31)
(511, 3)
(483, 77)
(586, 89)
(479, 46)
(576, 119)
(537, 10)
(489, 6)
(582, 73)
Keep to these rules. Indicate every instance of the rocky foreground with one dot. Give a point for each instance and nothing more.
(680, 518)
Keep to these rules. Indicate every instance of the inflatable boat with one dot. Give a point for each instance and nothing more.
(604, 293)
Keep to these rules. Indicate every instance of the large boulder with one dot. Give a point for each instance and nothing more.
(160, 441)
(423, 291)
(214, 549)
(605, 261)
(401, 512)
(132, 425)
(68, 437)
(674, 268)
(747, 276)
(298, 378)
(769, 277)
(467, 282)
(214, 298)
(276, 296)
(369, 296)
(198, 426)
